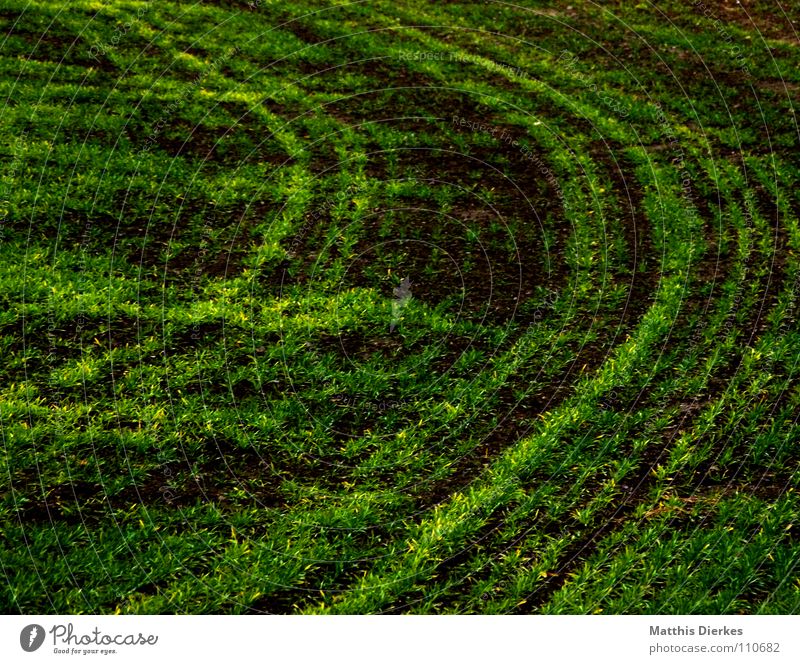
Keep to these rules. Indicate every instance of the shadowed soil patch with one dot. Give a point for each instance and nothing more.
(222, 472)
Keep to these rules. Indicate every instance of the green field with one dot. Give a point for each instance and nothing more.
(399, 307)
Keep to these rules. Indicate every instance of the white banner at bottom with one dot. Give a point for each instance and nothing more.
(390, 639)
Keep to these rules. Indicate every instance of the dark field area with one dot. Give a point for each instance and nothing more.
(399, 307)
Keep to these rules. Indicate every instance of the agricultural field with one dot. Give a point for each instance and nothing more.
(399, 307)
